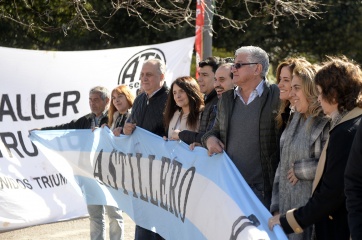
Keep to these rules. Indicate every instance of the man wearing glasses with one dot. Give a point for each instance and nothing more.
(245, 123)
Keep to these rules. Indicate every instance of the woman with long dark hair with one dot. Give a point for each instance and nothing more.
(183, 107)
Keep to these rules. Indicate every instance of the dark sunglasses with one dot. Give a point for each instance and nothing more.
(239, 65)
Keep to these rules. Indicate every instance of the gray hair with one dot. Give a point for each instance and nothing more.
(102, 91)
(161, 66)
(256, 54)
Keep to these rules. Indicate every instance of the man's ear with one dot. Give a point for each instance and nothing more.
(258, 69)
(162, 82)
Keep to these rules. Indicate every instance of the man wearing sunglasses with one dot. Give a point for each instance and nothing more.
(245, 123)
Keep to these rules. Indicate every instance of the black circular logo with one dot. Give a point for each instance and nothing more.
(130, 73)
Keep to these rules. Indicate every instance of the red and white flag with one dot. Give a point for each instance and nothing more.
(200, 9)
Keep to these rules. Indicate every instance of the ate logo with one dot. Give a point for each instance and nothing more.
(130, 73)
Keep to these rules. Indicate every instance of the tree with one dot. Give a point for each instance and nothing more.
(41, 24)
(336, 32)
(328, 27)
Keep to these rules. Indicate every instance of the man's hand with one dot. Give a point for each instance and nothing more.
(129, 128)
(214, 145)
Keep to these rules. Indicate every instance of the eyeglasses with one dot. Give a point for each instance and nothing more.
(229, 60)
(239, 65)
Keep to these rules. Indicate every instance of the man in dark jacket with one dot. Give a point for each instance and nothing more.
(245, 123)
(206, 78)
(147, 113)
(99, 98)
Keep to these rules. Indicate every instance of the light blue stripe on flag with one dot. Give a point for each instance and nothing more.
(162, 185)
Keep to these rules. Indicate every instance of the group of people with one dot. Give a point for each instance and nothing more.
(312, 196)
(293, 142)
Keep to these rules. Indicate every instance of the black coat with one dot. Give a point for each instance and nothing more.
(84, 122)
(148, 113)
(353, 186)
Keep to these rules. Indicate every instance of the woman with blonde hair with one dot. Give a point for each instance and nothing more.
(284, 75)
(301, 144)
(183, 108)
(119, 109)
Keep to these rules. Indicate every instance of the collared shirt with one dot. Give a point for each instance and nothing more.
(151, 95)
(97, 120)
(258, 91)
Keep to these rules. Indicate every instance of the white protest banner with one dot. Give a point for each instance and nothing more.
(47, 88)
(162, 185)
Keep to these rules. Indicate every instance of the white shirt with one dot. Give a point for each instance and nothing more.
(258, 91)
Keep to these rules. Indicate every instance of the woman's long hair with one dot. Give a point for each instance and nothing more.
(196, 102)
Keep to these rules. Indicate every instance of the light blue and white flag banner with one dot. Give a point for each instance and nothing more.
(47, 88)
(162, 185)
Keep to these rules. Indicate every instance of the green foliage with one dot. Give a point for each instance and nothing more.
(337, 32)
(219, 52)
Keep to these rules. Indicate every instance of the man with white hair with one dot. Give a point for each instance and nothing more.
(147, 113)
(245, 123)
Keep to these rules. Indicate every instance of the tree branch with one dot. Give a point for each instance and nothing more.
(167, 13)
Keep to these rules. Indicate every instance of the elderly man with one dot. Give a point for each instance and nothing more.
(245, 124)
(99, 98)
(147, 113)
